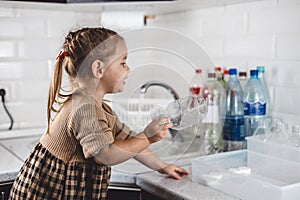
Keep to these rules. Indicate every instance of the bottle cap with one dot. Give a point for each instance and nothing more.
(261, 68)
(254, 72)
(198, 71)
(232, 71)
(218, 69)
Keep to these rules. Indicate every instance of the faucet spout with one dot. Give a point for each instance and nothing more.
(144, 88)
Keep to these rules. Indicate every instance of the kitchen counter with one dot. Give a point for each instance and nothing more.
(184, 188)
(15, 150)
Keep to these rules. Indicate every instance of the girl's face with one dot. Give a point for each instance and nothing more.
(114, 76)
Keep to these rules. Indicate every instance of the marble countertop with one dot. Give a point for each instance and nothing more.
(14, 150)
(184, 188)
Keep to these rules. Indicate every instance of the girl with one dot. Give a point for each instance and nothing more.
(72, 159)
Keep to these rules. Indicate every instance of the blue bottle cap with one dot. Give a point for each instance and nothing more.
(232, 71)
(261, 68)
(254, 72)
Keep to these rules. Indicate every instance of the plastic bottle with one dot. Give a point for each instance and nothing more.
(255, 103)
(213, 122)
(261, 76)
(220, 76)
(196, 83)
(226, 75)
(196, 89)
(243, 78)
(234, 127)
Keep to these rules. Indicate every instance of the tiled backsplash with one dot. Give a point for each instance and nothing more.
(246, 35)
(243, 35)
(30, 39)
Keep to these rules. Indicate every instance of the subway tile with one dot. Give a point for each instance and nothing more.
(88, 19)
(7, 49)
(33, 90)
(45, 13)
(285, 100)
(250, 47)
(34, 27)
(288, 3)
(279, 20)
(288, 47)
(29, 112)
(224, 25)
(12, 95)
(212, 11)
(25, 70)
(285, 73)
(35, 70)
(213, 47)
(6, 12)
(11, 70)
(39, 49)
(11, 28)
(261, 6)
(57, 28)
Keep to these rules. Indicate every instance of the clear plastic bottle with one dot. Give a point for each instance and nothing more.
(255, 103)
(243, 78)
(234, 127)
(220, 76)
(197, 83)
(261, 76)
(213, 122)
(226, 75)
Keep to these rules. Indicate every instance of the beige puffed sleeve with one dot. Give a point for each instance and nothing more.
(91, 128)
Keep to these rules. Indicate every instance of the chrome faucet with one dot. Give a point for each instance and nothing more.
(145, 87)
(143, 90)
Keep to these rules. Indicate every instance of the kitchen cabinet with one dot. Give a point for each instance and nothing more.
(5, 189)
(149, 196)
(129, 191)
(123, 191)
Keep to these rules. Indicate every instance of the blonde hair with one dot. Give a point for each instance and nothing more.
(81, 48)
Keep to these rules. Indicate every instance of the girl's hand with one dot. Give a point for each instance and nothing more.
(173, 171)
(157, 129)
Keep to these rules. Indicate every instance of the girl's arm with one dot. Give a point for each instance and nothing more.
(122, 150)
(152, 161)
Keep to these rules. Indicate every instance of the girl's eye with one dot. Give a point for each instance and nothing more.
(123, 64)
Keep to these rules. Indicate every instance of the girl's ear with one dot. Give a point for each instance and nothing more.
(97, 68)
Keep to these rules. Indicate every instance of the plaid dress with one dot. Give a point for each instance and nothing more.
(61, 166)
(43, 176)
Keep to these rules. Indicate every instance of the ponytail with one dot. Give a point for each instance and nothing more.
(54, 90)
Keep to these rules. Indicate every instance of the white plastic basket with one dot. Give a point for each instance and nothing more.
(269, 178)
(135, 113)
(280, 150)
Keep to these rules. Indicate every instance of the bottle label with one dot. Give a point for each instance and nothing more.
(234, 128)
(255, 108)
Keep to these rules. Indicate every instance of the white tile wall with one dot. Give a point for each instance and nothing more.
(258, 33)
(7, 49)
(244, 35)
(29, 41)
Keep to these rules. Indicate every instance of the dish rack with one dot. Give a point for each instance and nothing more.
(135, 113)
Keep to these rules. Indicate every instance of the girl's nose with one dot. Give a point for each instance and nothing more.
(128, 68)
